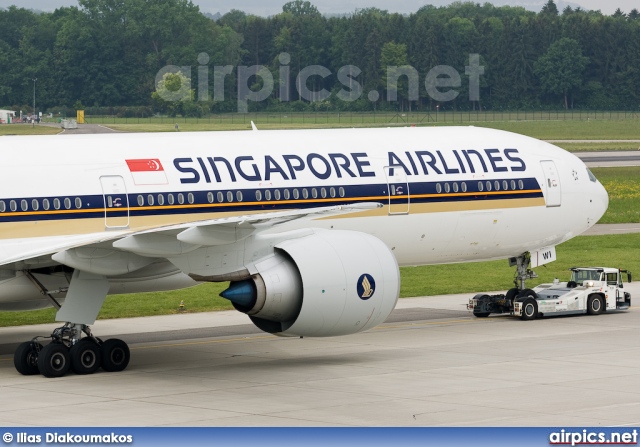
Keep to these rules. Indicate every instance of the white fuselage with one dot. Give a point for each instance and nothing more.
(450, 194)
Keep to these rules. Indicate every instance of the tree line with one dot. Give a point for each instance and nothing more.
(108, 53)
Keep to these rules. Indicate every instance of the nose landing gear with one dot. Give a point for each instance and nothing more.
(68, 350)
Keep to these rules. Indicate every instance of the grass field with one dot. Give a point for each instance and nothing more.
(545, 130)
(623, 186)
(27, 129)
(599, 146)
(610, 251)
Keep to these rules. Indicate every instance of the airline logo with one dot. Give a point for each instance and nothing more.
(147, 171)
(349, 165)
(366, 286)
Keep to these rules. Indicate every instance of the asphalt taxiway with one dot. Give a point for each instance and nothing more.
(430, 364)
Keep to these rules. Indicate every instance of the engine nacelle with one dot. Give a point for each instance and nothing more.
(326, 284)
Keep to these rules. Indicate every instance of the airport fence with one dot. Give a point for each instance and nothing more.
(373, 118)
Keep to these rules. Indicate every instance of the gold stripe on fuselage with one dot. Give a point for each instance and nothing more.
(67, 227)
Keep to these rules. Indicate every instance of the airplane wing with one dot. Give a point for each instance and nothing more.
(154, 242)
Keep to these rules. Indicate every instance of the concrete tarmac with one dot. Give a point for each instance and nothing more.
(431, 364)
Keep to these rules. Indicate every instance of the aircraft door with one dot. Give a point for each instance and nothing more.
(398, 190)
(116, 202)
(553, 194)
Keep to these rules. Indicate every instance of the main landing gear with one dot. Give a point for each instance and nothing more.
(67, 350)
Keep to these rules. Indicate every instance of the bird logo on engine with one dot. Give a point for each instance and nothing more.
(366, 286)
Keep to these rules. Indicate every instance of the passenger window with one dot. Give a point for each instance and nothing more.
(229, 196)
(45, 204)
(332, 192)
(56, 204)
(305, 193)
(191, 198)
(160, 199)
(438, 188)
(287, 194)
(520, 184)
(180, 198)
(3, 206)
(13, 205)
(78, 202)
(220, 197)
(341, 191)
(239, 196)
(170, 199)
(67, 203)
(296, 194)
(267, 195)
(35, 205)
(276, 194)
(258, 195)
(480, 187)
(150, 200)
(210, 197)
(24, 205)
(513, 185)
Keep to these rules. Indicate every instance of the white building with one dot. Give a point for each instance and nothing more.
(7, 116)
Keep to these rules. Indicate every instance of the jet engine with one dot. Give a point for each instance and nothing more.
(326, 284)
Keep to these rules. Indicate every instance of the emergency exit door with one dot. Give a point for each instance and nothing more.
(398, 190)
(116, 202)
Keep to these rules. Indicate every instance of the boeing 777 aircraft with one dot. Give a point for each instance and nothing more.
(308, 226)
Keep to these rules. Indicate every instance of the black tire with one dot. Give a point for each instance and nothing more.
(85, 356)
(115, 355)
(512, 294)
(529, 309)
(481, 314)
(53, 360)
(594, 305)
(527, 293)
(25, 359)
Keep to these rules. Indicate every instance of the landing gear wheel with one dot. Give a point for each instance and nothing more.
(594, 305)
(528, 292)
(511, 294)
(115, 355)
(85, 356)
(529, 309)
(25, 359)
(53, 360)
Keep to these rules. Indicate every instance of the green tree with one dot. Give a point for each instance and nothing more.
(550, 8)
(394, 61)
(173, 94)
(561, 68)
(300, 8)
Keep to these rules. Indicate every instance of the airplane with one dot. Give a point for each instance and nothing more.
(308, 226)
